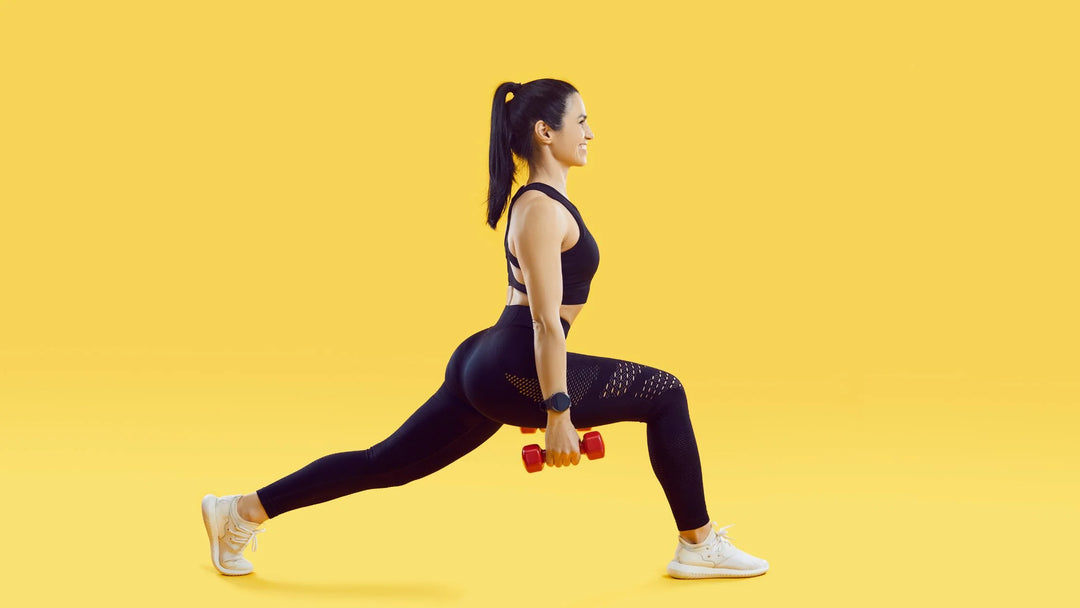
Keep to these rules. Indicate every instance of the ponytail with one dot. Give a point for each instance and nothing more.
(501, 167)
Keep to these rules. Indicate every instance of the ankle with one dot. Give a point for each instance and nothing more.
(698, 536)
(250, 508)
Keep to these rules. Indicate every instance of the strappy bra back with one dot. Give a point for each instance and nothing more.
(579, 263)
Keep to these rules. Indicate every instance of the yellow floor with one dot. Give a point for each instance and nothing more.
(899, 499)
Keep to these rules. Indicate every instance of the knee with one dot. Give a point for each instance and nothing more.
(667, 393)
(675, 398)
(662, 383)
(382, 470)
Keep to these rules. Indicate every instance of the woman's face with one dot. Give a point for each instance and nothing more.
(568, 143)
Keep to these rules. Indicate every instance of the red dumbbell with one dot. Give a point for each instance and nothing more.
(592, 445)
(529, 429)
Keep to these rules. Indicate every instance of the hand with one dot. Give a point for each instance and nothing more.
(562, 446)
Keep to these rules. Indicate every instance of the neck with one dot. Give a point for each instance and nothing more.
(554, 176)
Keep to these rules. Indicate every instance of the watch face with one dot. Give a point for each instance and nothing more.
(559, 402)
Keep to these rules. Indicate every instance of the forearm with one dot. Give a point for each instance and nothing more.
(549, 346)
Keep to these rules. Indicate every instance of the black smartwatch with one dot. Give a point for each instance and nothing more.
(559, 402)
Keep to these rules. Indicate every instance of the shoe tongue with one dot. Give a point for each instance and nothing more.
(249, 525)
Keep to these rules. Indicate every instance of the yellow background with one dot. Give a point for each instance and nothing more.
(235, 237)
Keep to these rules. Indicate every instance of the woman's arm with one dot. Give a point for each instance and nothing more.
(538, 252)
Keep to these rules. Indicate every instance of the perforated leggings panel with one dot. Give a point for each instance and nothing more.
(490, 381)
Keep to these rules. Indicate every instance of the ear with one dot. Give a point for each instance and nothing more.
(542, 132)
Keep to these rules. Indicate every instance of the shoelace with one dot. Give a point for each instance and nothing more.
(242, 534)
(721, 534)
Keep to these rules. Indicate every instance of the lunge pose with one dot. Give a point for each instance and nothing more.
(518, 371)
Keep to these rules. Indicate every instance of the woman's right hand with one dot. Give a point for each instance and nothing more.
(562, 445)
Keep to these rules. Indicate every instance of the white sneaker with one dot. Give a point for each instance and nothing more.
(714, 557)
(229, 534)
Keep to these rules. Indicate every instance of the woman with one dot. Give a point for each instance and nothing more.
(518, 371)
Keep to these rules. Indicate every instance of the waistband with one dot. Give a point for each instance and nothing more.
(519, 315)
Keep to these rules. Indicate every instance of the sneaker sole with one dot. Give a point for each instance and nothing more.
(677, 569)
(208, 503)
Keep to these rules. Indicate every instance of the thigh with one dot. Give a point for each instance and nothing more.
(604, 390)
(439, 432)
(501, 382)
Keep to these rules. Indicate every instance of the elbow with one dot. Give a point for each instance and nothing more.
(548, 324)
(552, 325)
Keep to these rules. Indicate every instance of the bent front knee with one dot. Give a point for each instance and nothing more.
(660, 384)
(666, 392)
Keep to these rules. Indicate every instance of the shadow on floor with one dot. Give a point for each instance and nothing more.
(418, 590)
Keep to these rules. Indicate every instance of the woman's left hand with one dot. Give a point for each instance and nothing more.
(563, 447)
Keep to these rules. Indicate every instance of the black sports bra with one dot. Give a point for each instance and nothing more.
(579, 263)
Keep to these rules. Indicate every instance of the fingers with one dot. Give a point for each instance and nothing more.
(553, 457)
(561, 459)
(564, 459)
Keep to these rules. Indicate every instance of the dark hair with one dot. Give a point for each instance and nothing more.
(512, 125)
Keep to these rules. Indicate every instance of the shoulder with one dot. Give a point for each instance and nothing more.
(540, 217)
(537, 204)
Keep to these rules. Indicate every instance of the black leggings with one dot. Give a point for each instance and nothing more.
(491, 381)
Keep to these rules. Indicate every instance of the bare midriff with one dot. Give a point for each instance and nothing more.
(514, 297)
